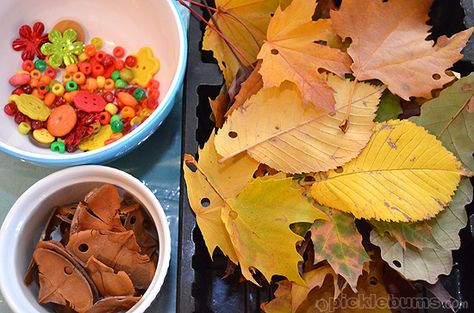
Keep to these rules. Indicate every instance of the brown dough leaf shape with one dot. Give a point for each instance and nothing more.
(110, 284)
(84, 220)
(119, 251)
(114, 305)
(135, 221)
(61, 282)
(104, 202)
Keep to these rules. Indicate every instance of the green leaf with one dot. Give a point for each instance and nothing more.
(258, 222)
(419, 235)
(449, 119)
(389, 107)
(339, 242)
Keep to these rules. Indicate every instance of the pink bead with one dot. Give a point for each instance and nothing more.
(19, 79)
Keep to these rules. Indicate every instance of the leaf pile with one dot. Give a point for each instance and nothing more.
(308, 142)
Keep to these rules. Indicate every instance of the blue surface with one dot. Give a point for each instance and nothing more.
(156, 162)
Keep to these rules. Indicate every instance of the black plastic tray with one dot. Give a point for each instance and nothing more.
(201, 288)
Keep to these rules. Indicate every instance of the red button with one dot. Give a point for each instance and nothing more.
(89, 102)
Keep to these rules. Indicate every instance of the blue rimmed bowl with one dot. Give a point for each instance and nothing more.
(132, 24)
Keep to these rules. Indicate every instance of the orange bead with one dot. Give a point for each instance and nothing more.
(90, 50)
(34, 82)
(28, 65)
(45, 79)
(36, 93)
(35, 74)
(119, 65)
(68, 96)
(116, 136)
(71, 69)
(127, 99)
(109, 84)
(128, 112)
(79, 78)
(49, 99)
(91, 84)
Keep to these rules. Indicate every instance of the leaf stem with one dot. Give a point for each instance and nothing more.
(345, 123)
(455, 116)
(232, 47)
(239, 20)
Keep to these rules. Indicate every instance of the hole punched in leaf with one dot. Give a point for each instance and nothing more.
(232, 134)
(205, 202)
(191, 166)
(274, 51)
(339, 170)
(397, 263)
(83, 247)
(373, 281)
(436, 76)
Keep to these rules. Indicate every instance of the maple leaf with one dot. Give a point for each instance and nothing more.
(208, 187)
(419, 235)
(244, 23)
(339, 242)
(404, 174)
(448, 118)
(258, 222)
(290, 53)
(276, 128)
(389, 107)
(388, 43)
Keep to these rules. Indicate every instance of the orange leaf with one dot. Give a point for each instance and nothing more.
(290, 53)
(388, 43)
(219, 108)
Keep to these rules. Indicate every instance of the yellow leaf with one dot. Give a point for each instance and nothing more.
(209, 186)
(388, 43)
(290, 53)
(244, 23)
(277, 129)
(404, 174)
(258, 222)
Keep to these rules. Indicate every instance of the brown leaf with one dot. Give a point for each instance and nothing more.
(388, 43)
(104, 202)
(219, 108)
(114, 305)
(108, 282)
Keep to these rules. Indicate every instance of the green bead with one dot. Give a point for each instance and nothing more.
(139, 94)
(71, 85)
(126, 74)
(117, 126)
(115, 75)
(58, 146)
(120, 83)
(115, 118)
(40, 65)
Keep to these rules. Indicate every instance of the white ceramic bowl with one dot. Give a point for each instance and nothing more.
(24, 223)
(132, 24)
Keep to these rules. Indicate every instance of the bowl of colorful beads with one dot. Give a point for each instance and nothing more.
(86, 81)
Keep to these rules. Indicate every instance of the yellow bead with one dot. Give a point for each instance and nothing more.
(135, 120)
(111, 108)
(58, 89)
(97, 42)
(83, 57)
(100, 81)
(42, 135)
(24, 128)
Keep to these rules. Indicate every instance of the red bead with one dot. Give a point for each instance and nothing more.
(37, 124)
(108, 97)
(10, 109)
(42, 88)
(131, 61)
(85, 68)
(117, 91)
(28, 65)
(97, 70)
(20, 117)
(104, 117)
(153, 84)
(60, 101)
(108, 61)
(153, 94)
(118, 52)
(108, 71)
(99, 56)
(152, 103)
(90, 50)
(18, 91)
(27, 89)
(51, 72)
(119, 64)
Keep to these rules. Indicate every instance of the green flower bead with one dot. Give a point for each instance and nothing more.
(40, 65)
(119, 83)
(58, 146)
(139, 94)
(62, 48)
(126, 74)
(117, 126)
(115, 118)
(71, 85)
(115, 75)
